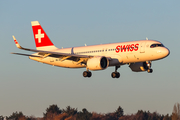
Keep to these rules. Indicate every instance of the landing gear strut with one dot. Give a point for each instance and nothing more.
(115, 74)
(149, 70)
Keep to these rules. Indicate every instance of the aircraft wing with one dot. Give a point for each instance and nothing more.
(26, 54)
(49, 53)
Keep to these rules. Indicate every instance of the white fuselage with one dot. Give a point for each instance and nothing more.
(119, 53)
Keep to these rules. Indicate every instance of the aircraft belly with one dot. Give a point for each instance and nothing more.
(58, 62)
(68, 64)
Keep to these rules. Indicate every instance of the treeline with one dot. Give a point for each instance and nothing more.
(53, 112)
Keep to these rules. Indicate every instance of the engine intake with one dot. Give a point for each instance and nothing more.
(97, 63)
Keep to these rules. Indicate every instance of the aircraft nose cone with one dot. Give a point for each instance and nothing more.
(166, 52)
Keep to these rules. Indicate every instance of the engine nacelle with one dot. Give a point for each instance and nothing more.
(138, 67)
(97, 63)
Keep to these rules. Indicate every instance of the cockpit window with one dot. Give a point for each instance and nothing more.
(156, 45)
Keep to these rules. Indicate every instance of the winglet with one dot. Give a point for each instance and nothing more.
(16, 42)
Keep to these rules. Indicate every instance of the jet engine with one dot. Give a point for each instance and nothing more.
(139, 66)
(97, 63)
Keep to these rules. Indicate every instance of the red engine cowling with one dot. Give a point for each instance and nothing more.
(97, 63)
(138, 67)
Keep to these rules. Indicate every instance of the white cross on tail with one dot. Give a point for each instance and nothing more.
(39, 35)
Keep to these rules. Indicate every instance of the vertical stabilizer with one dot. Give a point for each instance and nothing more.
(42, 41)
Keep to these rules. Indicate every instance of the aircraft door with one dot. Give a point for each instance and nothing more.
(142, 47)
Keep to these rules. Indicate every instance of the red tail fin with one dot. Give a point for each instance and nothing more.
(41, 39)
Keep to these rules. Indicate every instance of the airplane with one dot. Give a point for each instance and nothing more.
(137, 54)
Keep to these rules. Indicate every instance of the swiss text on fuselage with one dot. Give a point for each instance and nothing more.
(127, 48)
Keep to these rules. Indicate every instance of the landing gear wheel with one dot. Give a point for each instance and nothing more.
(115, 75)
(150, 70)
(87, 74)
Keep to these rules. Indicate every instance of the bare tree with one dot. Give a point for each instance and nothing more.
(176, 112)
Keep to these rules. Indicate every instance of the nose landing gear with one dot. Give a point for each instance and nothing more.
(115, 74)
(149, 70)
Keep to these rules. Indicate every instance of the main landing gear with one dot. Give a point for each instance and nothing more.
(149, 70)
(115, 74)
(87, 74)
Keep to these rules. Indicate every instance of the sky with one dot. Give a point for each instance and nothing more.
(30, 87)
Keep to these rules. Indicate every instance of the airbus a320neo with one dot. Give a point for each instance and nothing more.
(137, 54)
